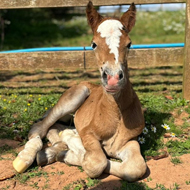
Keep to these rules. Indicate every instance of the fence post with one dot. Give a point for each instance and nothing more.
(186, 67)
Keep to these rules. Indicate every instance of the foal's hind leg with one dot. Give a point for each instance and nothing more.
(48, 155)
(92, 159)
(75, 153)
(68, 103)
(132, 166)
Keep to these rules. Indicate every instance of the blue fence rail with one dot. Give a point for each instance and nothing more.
(141, 46)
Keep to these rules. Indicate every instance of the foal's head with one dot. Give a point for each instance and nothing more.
(111, 45)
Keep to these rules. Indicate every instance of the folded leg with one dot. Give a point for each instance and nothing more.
(48, 155)
(75, 153)
(132, 166)
(68, 103)
(92, 159)
(95, 160)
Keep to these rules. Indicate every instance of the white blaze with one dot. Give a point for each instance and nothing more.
(111, 30)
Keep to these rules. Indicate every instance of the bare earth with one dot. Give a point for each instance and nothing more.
(59, 175)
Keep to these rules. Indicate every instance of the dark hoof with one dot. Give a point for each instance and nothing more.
(61, 155)
(46, 156)
(41, 158)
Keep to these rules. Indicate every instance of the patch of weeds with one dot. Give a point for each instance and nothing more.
(5, 148)
(134, 186)
(78, 185)
(60, 173)
(46, 186)
(149, 179)
(80, 168)
(158, 112)
(8, 149)
(151, 141)
(155, 116)
(176, 160)
(162, 187)
(20, 111)
(176, 186)
(185, 125)
(5, 188)
(176, 148)
(23, 178)
(92, 182)
(178, 102)
(187, 110)
(188, 182)
(68, 187)
(35, 185)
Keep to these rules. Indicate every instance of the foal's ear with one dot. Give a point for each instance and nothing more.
(93, 16)
(129, 18)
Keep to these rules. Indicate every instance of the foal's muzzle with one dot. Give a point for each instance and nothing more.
(112, 81)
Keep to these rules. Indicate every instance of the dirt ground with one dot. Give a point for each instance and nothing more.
(59, 175)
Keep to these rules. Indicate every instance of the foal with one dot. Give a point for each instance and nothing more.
(108, 118)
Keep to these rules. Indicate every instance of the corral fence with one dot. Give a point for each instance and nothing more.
(84, 58)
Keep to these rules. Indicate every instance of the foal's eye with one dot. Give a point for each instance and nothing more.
(129, 45)
(93, 45)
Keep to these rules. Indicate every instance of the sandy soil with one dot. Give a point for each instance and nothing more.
(59, 175)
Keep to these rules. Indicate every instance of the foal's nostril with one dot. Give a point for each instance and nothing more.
(104, 75)
(120, 75)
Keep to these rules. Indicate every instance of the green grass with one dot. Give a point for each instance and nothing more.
(158, 112)
(162, 187)
(32, 28)
(7, 149)
(83, 184)
(176, 160)
(18, 112)
(134, 186)
(31, 173)
(177, 148)
(188, 182)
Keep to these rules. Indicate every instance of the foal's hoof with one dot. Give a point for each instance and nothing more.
(41, 158)
(61, 155)
(46, 156)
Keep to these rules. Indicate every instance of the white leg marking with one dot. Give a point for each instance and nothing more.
(26, 157)
(75, 154)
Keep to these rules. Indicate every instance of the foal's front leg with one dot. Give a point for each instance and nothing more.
(87, 153)
(95, 160)
(68, 103)
(132, 166)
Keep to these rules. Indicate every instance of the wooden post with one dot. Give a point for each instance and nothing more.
(186, 68)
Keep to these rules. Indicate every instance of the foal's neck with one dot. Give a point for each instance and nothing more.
(125, 97)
